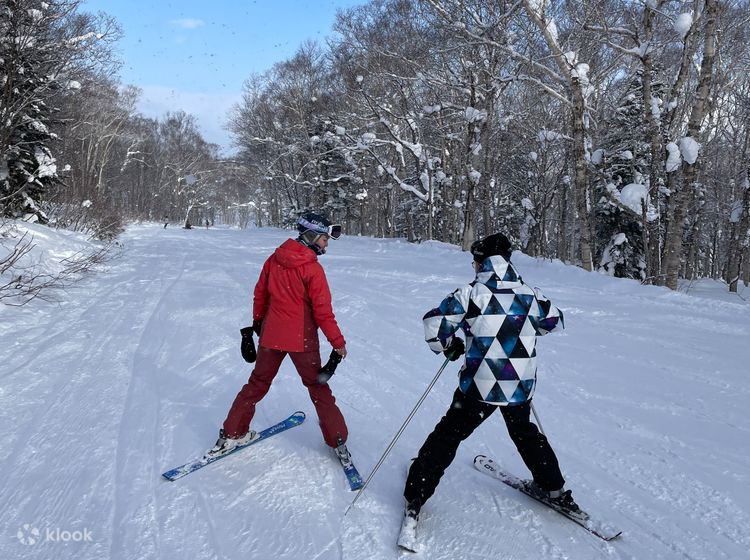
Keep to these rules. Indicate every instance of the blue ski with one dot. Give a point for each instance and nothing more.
(294, 420)
(352, 475)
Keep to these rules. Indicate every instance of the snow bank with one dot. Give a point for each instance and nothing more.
(45, 253)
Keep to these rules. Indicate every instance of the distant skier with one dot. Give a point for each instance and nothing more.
(501, 318)
(291, 301)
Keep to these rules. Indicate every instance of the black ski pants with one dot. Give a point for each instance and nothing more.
(463, 417)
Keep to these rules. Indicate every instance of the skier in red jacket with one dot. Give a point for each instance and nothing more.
(291, 301)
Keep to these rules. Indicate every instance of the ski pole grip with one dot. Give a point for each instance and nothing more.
(327, 371)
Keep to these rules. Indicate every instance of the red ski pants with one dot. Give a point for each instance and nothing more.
(267, 365)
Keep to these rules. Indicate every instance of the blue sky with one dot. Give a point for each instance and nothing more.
(195, 55)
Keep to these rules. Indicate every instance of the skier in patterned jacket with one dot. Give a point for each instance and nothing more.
(501, 318)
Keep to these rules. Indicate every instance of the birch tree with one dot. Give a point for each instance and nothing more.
(573, 74)
(689, 147)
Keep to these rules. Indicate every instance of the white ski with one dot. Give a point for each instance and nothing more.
(407, 538)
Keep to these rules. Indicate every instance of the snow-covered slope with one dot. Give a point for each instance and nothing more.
(644, 398)
(39, 261)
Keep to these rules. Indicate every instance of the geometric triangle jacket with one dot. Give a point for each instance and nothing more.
(501, 318)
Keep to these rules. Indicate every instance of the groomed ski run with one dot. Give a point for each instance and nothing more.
(644, 396)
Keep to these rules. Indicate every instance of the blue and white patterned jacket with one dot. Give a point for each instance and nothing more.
(501, 317)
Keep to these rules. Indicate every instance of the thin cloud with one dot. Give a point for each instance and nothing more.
(188, 23)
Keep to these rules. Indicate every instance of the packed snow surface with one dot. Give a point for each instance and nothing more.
(643, 396)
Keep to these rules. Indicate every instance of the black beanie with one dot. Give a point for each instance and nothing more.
(495, 244)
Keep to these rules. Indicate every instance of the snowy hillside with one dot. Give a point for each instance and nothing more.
(644, 397)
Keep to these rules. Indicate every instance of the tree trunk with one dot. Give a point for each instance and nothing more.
(578, 109)
(468, 233)
(473, 135)
(738, 246)
(430, 205)
(697, 271)
(583, 203)
(487, 226)
(651, 245)
(674, 249)
(562, 233)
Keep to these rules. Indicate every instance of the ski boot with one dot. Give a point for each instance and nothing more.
(560, 499)
(412, 510)
(226, 444)
(407, 537)
(343, 453)
(564, 500)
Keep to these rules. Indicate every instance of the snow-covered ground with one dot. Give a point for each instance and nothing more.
(39, 261)
(644, 398)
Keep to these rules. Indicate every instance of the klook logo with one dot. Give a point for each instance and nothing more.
(29, 535)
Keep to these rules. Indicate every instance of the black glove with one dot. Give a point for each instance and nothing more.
(256, 326)
(455, 349)
(327, 371)
(247, 347)
(544, 304)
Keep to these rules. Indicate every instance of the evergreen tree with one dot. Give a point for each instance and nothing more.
(334, 170)
(28, 58)
(622, 163)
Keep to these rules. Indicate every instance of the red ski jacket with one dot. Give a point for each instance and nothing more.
(292, 299)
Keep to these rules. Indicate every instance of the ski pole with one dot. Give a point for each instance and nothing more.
(398, 434)
(538, 422)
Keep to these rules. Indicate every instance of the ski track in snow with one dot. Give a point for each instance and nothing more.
(643, 398)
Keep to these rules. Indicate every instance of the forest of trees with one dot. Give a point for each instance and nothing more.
(612, 134)
(74, 150)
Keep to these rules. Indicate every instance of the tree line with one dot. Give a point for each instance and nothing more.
(609, 133)
(74, 151)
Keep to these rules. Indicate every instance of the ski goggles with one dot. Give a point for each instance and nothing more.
(333, 230)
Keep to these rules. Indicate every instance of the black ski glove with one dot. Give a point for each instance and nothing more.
(247, 347)
(455, 349)
(327, 371)
(256, 326)
(544, 304)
